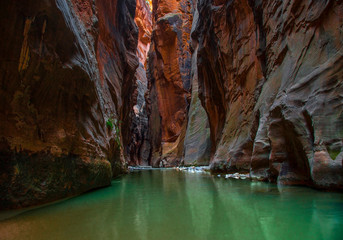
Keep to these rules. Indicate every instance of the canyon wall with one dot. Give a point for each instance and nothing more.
(67, 73)
(197, 144)
(255, 89)
(169, 74)
(138, 150)
(87, 87)
(271, 80)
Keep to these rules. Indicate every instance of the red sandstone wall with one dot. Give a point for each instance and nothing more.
(143, 19)
(169, 68)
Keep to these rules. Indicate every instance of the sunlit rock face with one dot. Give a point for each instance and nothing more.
(270, 79)
(169, 79)
(63, 69)
(143, 20)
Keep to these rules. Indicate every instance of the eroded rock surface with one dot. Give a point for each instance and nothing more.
(143, 19)
(197, 144)
(270, 80)
(169, 78)
(63, 69)
(139, 148)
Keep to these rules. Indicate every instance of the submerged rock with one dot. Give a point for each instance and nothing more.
(193, 169)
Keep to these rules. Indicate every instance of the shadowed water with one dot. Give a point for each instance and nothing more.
(166, 204)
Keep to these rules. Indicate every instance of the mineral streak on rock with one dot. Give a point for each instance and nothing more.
(270, 80)
(66, 68)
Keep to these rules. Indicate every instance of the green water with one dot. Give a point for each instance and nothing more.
(166, 204)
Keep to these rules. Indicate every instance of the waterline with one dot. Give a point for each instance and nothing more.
(170, 204)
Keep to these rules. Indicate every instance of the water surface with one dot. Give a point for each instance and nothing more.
(166, 204)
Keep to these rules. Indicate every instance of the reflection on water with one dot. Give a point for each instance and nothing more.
(168, 204)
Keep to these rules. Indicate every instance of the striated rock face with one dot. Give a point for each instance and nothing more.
(63, 68)
(143, 19)
(270, 79)
(138, 150)
(169, 79)
(197, 144)
(139, 146)
(230, 73)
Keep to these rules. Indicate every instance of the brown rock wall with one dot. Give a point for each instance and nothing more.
(269, 74)
(139, 147)
(197, 144)
(63, 69)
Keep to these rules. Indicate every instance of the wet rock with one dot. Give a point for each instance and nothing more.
(193, 169)
(139, 147)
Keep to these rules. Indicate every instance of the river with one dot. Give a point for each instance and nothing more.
(168, 204)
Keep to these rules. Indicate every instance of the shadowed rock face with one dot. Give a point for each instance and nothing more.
(139, 147)
(270, 80)
(138, 150)
(63, 69)
(197, 144)
(230, 74)
(169, 77)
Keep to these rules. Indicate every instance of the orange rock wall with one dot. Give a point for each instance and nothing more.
(143, 19)
(169, 68)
